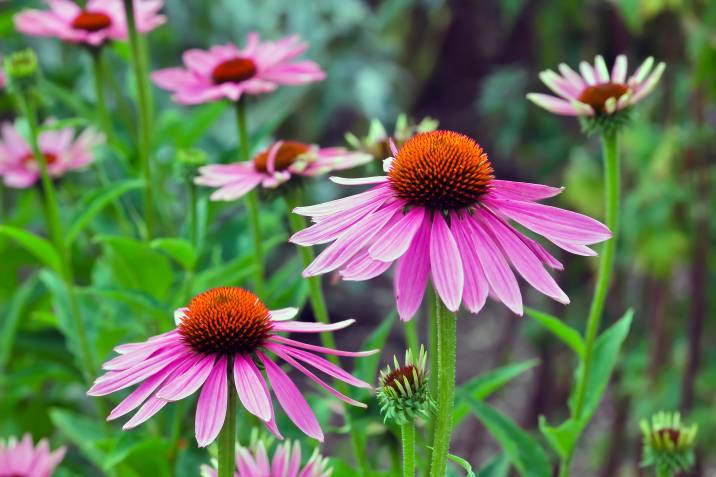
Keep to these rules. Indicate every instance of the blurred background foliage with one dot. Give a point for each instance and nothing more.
(467, 64)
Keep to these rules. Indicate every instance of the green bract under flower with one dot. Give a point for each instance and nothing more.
(668, 444)
(376, 143)
(403, 393)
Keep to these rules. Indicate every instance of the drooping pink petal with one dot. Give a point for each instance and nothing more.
(247, 379)
(393, 242)
(476, 286)
(363, 267)
(139, 395)
(338, 205)
(321, 349)
(553, 104)
(411, 274)
(291, 399)
(323, 365)
(212, 404)
(148, 409)
(307, 327)
(523, 190)
(190, 381)
(445, 264)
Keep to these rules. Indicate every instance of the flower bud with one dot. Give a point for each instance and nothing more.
(668, 444)
(403, 393)
(21, 70)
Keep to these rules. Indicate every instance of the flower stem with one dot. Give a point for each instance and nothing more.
(227, 437)
(144, 123)
(606, 265)
(251, 200)
(318, 303)
(407, 432)
(54, 224)
(433, 363)
(662, 473)
(446, 342)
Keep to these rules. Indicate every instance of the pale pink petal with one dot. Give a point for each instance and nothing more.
(445, 264)
(523, 190)
(283, 314)
(148, 409)
(247, 379)
(212, 405)
(363, 267)
(321, 349)
(411, 274)
(392, 242)
(190, 381)
(476, 286)
(553, 104)
(619, 70)
(323, 365)
(307, 327)
(328, 208)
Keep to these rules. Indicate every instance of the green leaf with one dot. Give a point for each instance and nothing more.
(523, 451)
(462, 463)
(482, 386)
(41, 248)
(498, 466)
(63, 123)
(367, 368)
(560, 329)
(107, 196)
(177, 248)
(12, 318)
(561, 438)
(84, 432)
(128, 297)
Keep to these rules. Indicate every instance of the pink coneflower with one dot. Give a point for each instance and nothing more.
(95, 24)
(224, 329)
(62, 151)
(225, 72)
(276, 165)
(22, 459)
(286, 462)
(441, 214)
(597, 91)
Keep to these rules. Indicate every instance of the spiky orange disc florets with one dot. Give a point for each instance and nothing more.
(441, 170)
(233, 71)
(285, 156)
(597, 95)
(225, 320)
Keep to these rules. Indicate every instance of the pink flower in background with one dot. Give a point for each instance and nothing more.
(441, 215)
(597, 91)
(22, 459)
(286, 462)
(224, 329)
(62, 151)
(276, 165)
(225, 72)
(98, 22)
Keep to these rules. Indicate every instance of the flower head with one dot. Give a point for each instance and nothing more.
(97, 23)
(668, 444)
(226, 72)
(286, 462)
(22, 459)
(377, 142)
(62, 151)
(440, 213)
(276, 165)
(403, 393)
(224, 330)
(597, 92)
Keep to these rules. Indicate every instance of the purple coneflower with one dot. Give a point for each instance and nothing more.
(22, 459)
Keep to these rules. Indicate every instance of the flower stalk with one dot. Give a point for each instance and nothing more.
(252, 200)
(446, 328)
(407, 433)
(227, 437)
(144, 123)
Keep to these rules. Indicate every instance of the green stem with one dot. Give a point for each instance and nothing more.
(411, 336)
(54, 224)
(227, 437)
(252, 201)
(662, 472)
(446, 342)
(193, 225)
(144, 123)
(407, 432)
(320, 311)
(606, 265)
(433, 363)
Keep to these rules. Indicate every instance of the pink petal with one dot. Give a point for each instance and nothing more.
(139, 395)
(328, 208)
(190, 381)
(363, 267)
(211, 408)
(283, 314)
(247, 379)
(553, 104)
(321, 349)
(148, 409)
(393, 242)
(291, 399)
(523, 190)
(324, 366)
(445, 264)
(411, 274)
(307, 327)
(476, 287)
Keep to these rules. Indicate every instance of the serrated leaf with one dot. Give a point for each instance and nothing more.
(40, 247)
(177, 248)
(560, 329)
(480, 387)
(110, 194)
(523, 451)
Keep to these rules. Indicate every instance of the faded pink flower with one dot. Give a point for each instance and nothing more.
(597, 91)
(22, 459)
(224, 329)
(225, 72)
(63, 152)
(441, 215)
(95, 24)
(286, 462)
(276, 165)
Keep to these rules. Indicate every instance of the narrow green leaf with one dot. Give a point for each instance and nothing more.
(110, 194)
(84, 432)
(41, 248)
(560, 329)
(480, 387)
(367, 368)
(462, 463)
(12, 318)
(523, 451)
(498, 466)
(561, 438)
(177, 248)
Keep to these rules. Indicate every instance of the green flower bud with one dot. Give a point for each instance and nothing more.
(668, 444)
(187, 163)
(21, 69)
(403, 392)
(377, 144)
